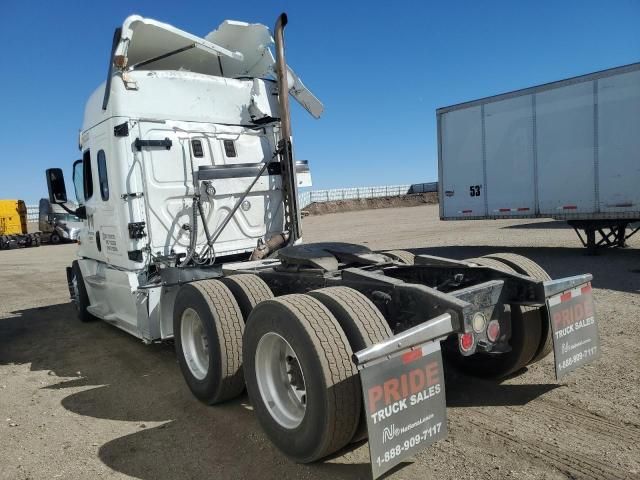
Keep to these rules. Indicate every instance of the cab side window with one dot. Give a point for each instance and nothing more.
(87, 175)
(103, 179)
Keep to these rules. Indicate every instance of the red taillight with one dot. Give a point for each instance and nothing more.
(493, 330)
(466, 342)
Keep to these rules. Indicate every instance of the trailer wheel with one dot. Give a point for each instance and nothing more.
(80, 292)
(402, 256)
(248, 290)
(54, 239)
(300, 377)
(528, 267)
(524, 341)
(207, 327)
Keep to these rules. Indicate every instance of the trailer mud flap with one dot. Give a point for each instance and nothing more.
(404, 399)
(576, 341)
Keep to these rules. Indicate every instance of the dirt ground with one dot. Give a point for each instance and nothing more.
(336, 206)
(89, 401)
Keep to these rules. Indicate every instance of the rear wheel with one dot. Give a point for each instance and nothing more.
(248, 290)
(300, 377)
(530, 268)
(208, 327)
(362, 322)
(402, 256)
(525, 337)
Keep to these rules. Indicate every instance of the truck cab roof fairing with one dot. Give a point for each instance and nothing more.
(235, 49)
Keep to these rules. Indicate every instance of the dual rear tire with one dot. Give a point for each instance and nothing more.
(530, 333)
(317, 334)
(294, 353)
(207, 328)
(300, 377)
(208, 324)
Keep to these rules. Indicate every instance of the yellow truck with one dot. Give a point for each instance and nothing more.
(13, 226)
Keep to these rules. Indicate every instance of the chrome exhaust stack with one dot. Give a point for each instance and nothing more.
(285, 147)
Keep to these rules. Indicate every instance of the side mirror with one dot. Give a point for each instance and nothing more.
(81, 212)
(56, 186)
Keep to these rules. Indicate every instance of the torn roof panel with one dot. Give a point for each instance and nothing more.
(252, 41)
(143, 39)
(235, 49)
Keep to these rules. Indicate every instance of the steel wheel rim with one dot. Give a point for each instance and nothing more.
(195, 347)
(280, 380)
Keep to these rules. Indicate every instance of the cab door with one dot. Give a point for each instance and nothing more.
(84, 182)
(98, 158)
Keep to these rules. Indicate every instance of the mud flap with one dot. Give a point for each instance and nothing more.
(404, 400)
(576, 341)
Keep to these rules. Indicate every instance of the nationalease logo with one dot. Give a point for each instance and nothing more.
(398, 393)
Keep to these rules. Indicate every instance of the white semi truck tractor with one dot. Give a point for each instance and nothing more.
(187, 188)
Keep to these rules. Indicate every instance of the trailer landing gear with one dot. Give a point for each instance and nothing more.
(604, 233)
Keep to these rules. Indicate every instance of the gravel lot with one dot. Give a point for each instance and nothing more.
(89, 401)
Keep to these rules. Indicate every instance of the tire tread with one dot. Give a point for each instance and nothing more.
(403, 256)
(370, 322)
(333, 350)
(528, 267)
(251, 287)
(230, 327)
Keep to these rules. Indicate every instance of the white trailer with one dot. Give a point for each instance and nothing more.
(567, 150)
(192, 233)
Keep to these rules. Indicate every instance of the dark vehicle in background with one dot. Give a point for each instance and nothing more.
(57, 225)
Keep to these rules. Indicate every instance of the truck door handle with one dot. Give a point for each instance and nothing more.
(166, 143)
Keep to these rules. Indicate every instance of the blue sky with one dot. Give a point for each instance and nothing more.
(380, 68)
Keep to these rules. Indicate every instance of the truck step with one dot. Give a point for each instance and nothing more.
(96, 281)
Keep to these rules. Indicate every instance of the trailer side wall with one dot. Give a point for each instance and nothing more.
(566, 150)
